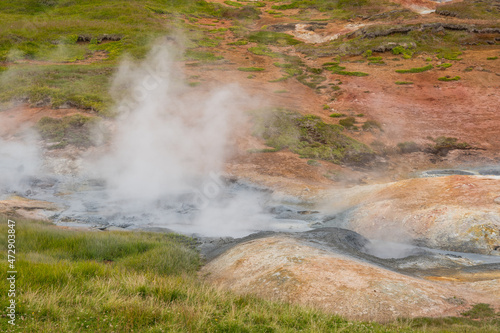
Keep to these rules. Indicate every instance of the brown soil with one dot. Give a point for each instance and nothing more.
(22, 117)
(465, 109)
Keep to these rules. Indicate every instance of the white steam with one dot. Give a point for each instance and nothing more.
(168, 149)
(19, 160)
(168, 135)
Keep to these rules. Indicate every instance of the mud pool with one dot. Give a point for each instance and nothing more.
(236, 212)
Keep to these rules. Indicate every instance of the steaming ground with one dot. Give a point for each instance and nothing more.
(162, 170)
(162, 165)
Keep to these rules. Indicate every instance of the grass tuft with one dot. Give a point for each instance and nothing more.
(415, 69)
(402, 83)
(448, 78)
(272, 38)
(251, 69)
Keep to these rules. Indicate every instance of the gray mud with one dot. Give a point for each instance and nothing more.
(85, 202)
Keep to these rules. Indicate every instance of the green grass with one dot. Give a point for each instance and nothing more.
(445, 65)
(81, 86)
(480, 311)
(360, 74)
(310, 80)
(336, 69)
(313, 163)
(73, 281)
(201, 55)
(61, 31)
(233, 3)
(492, 58)
(449, 54)
(375, 60)
(402, 83)
(309, 137)
(251, 69)
(447, 79)
(407, 53)
(272, 38)
(337, 115)
(415, 69)
(93, 281)
(239, 42)
(263, 51)
(32, 30)
(264, 150)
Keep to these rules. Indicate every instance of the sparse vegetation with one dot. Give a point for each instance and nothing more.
(310, 137)
(480, 311)
(371, 124)
(449, 54)
(375, 60)
(75, 130)
(408, 147)
(264, 150)
(445, 65)
(448, 78)
(348, 122)
(239, 42)
(407, 53)
(264, 51)
(313, 163)
(415, 69)
(311, 80)
(402, 83)
(272, 38)
(336, 69)
(233, 3)
(337, 115)
(251, 69)
(492, 58)
(200, 55)
(442, 145)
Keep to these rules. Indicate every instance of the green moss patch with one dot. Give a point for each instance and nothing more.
(310, 137)
(251, 69)
(415, 69)
(448, 78)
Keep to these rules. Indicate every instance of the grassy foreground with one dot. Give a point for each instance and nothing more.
(84, 281)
